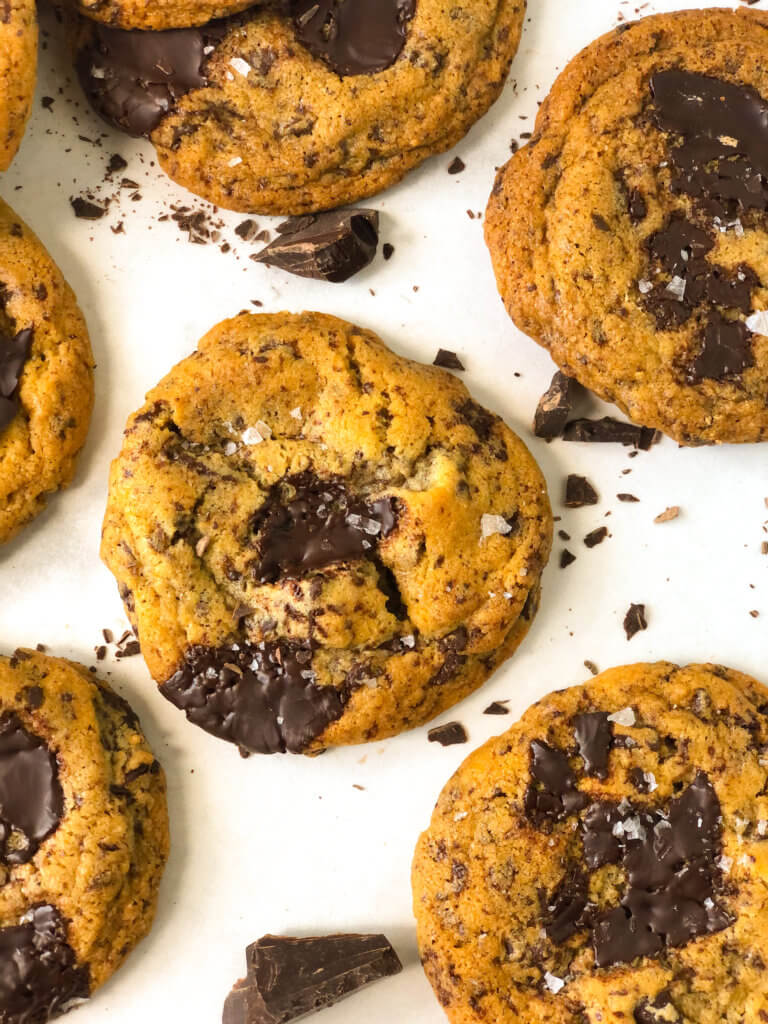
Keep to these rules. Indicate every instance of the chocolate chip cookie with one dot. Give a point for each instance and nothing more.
(46, 376)
(159, 14)
(318, 541)
(83, 835)
(629, 237)
(605, 860)
(18, 72)
(308, 107)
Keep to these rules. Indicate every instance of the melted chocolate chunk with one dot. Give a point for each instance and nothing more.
(722, 151)
(566, 910)
(353, 38)
(552, 792)
(317, 524)
(656, 1011)
(39, 976)
(594, 737)
(14, 353)
(31, 798)
(263, 697)
(289, 978)
(726, 351)
(133, 79)
(669, 859)
(326, 247)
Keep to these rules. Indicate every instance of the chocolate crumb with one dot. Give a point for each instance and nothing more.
(447, 360)
(635, 620)
(668, 514)
(387, 249)
(456, 166)
(448, 734)
(627, 497)
(86, 210)
(566, 558)
(591, 666)
(596, 537)
(497, 708)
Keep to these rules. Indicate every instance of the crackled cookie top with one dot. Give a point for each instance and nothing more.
(83, 835)
(158, 15)
(305, 107)
(629, 236)
(320, 542)
(46, 377)
(605, 859)
(18, 72)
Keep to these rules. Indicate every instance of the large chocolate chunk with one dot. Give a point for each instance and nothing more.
(554, 407)
(327, 246)
(263, 697)
(307, 523)
(289, 978)
(611, 431)
(14, 353)
(31, 798)
(726, 351)
(39, 976)
(133, 79)
(552, 792)
(354, 38)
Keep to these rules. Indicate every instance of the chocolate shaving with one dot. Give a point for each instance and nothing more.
(328, 247)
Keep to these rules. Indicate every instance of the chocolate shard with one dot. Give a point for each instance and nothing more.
(448, 734)
(554, 407)
(328, 247)
(608, 430)
(447, 360)
(579, 492)
(635, 620)
(289, 978)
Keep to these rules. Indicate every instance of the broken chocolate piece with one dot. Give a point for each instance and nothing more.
(566, 558)
(289, 978)
(263, 697)
(456, 165)
(498, 707)
(328, 247)
(596, 537)
(608, 430)
(357, 38)
(14, 353)
(579, 492)
(31, 798)
(634, 620)
(447, 360)
(86, 210)
(449, 734)
(554, 407)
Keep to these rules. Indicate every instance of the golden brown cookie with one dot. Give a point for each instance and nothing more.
(294, 111)
(46, 376)
(318, 541)
(605, 860)
(18, 72)
(630, 237)
(83, 835)
(158, 15)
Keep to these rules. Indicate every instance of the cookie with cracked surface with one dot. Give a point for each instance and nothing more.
(320, 542)
(18, 72)
(83, 835)
(605, 860)
(158, 15)
(46, 376)
(629, 237)
(309, 108)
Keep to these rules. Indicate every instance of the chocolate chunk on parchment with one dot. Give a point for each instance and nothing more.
(31, 798)
(327, 247)
(596, 537)
(498, 707)
(611, 431)
(40, 976)
(447, 735)
(353, 38)
(14, 353)
(554, 407)
(635, 620)
(84, 209)
(289, 978)
(579, 492)
(447, 360)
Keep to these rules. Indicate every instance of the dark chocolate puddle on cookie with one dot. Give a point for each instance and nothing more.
(668, 854)
(718, 154)
(134, 78)
(40, 976)
(31, 798)
(14, 353)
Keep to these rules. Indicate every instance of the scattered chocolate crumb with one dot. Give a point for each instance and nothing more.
(668, 514)
(356, 785)
(566, 558)
(456, 166)
(554, 407)
(635, 620)
(764, 547)
(591, 666)
(627, 497)
(116, 163)
(130, 649)
(47, 102)
(754, 613)
(596, 537)
(247, 230)
(447, 360)
(86, 210)
(40, 647)
(387, 249)
(497, 708)
(579, 492)
(563, 535)
(101, 652)
(108, 635)
(448, 734)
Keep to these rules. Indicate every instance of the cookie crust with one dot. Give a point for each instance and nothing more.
(18, 73)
